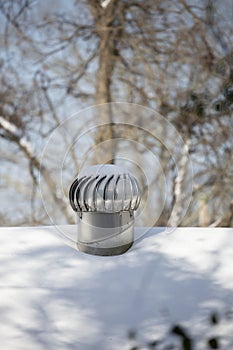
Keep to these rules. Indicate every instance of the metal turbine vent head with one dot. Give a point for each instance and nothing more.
(105, 197)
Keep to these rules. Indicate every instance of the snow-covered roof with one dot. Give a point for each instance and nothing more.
(55, 297)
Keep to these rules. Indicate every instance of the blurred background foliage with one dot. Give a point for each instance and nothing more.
(59, 57)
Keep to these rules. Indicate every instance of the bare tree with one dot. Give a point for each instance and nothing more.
(174, 57)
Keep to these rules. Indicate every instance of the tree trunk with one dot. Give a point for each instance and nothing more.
(107, 33)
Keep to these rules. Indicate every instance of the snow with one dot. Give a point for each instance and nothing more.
(55, 297)
(26, 144)
(9, 126)
(105, 3)
(12, 129)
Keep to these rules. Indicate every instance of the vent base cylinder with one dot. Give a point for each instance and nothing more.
(105, 233)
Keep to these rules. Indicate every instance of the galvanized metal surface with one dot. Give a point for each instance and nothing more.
(105, 197)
